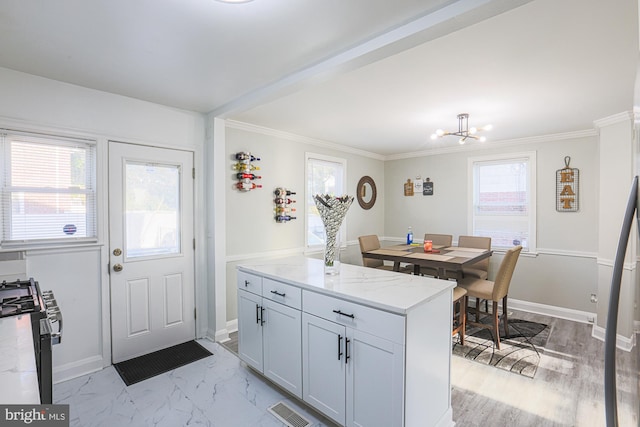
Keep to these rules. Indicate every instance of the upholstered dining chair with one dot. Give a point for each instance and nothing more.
(438, 240)
(479, 269)
(370, 243)
(493, 291)
(459, 312)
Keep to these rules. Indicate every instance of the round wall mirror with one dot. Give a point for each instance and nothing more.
(366, 192)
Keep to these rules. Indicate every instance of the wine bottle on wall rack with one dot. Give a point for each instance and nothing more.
(281, 201)
(246, 186)
(246, 156)
(282, 192)
(284, 218)
(247, 167)
(283, 211)
(241, 175)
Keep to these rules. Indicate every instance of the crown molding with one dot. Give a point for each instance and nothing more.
(507, 142)
(616, 118)
(233, 124)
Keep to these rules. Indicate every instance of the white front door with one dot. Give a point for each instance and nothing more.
(151, 255)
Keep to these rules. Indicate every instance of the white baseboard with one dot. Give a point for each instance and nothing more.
(232, 325)
(221, 335)
(77, 369)
(598, 332)
(623, 343)
(553, 311)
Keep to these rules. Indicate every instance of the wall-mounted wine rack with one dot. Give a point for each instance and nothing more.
(245, 169)
(283, 202)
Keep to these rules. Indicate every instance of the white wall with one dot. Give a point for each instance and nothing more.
(78, 277)
(617, 161)
(251, 229)
(563, 273)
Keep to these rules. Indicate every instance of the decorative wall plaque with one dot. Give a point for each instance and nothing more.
(567, 188)
(427, 187)
(417, 185)
(408, 187)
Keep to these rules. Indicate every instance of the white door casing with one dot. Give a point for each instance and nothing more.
(151, 254)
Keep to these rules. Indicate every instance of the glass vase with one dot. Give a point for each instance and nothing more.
(332, 253)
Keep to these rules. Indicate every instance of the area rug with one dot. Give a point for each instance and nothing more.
(520, 352)
(144, 367)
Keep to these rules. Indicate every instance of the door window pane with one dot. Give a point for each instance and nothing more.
(152, 210)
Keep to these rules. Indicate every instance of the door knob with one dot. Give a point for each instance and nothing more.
(117, 252)
(117, 267)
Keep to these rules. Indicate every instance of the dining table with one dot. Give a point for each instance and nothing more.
(451, 259)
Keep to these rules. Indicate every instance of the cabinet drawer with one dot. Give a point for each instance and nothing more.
(282, 293)
(250, 282)
(376, 322)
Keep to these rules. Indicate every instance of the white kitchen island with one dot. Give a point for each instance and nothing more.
(366, 347)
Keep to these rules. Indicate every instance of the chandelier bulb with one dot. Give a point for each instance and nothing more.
(473, 131)
(434, 136)
(483, 138)
(461, 141)
(439, 132)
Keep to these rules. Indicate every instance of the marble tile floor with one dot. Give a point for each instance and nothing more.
(216, 391)
(219, 391)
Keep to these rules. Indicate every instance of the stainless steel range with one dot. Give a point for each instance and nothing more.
(24, 297)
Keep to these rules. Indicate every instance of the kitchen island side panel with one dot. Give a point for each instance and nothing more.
(428, 363)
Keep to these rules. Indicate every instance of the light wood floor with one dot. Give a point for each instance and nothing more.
(567, 389)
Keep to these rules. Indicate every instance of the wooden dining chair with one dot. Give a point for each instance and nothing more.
(370, 243)
(480, 269)
(493, 291)
(459, 312)
(438, 240)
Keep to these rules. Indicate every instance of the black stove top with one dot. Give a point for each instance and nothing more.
(19, 297)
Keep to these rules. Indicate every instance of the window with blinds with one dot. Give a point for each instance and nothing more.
(503, 205)
(48, 189)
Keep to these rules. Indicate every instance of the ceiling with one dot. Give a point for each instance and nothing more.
(374, 75)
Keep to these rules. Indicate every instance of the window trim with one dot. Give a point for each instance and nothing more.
(530, 156)
(343, 229)
(91, 179)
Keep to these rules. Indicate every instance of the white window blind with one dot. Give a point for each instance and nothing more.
(48, 189)
(503, 205)
(325, 175)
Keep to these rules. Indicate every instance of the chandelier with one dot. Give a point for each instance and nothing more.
(464, 131)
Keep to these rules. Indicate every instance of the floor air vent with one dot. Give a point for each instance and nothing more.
(288, 416)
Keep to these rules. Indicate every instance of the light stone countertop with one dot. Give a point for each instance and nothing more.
(385, 290)
(18, 374)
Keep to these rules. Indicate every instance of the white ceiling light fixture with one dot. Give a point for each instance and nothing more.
(464, 131)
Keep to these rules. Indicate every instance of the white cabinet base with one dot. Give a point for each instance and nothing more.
(374, 346)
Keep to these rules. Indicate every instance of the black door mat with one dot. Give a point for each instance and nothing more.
(144, 367)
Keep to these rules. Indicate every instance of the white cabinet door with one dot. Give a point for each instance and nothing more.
(250, 328)
(282, 337)
(375, 383)
(323, 366)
